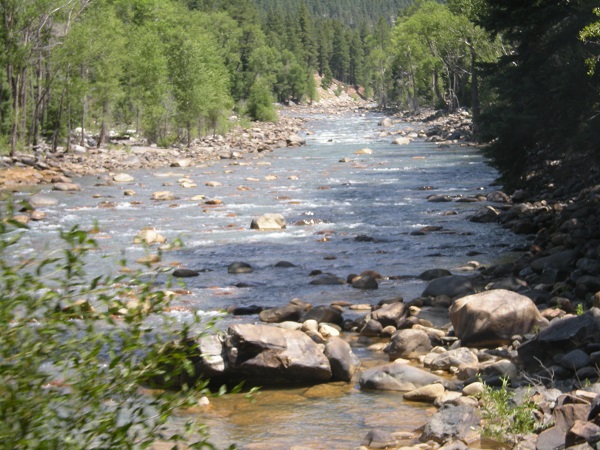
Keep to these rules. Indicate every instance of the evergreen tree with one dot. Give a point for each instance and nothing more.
(544, 110)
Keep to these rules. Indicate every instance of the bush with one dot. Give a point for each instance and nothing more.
(260, 102)
(71, 373)
(505, 420)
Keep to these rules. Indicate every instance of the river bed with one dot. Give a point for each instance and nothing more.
(343, 217)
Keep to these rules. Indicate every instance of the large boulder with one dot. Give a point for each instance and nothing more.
(324, 314)
(342, 360)
(268, 222)
(562, 336)
(396, 376)
(560, 261)
(491, 318)
(452, 422)
(290, 312)
(409, 344)
(266, 355)
(451, 285)
(390, 314)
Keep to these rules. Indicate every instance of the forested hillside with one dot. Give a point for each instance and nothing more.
(177, 69)
(353, 12)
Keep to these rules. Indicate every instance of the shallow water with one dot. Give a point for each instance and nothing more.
(379, 196)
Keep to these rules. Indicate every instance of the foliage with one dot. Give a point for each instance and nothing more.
(71, 372)
(504, 420)
(591, 34)
(543, 109)
(260, 103)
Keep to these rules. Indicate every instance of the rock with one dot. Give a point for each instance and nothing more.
(327, 279)
(212, 360)
(324, 314)
(185, 273)
(432, 274)
(371, 329)
(401, 141)
(408, 344)
(390, 314)
(453, 358)
(66, 187)
(365, 282)
(284, 265)
(239, 267)
(292, 311)
(426, 394)
(379, 439)
(485, 215)
(385, 122)
(452, 286)
(123, 178)
(163, 196)
(452, 422)
(268, 222)
(246, 310)
(364, 151)
(559, 261)
(41, 200)
(342, 360)
(583, 433)
(475, 389)
(293, 140)
(498, 197)
(493, 317)
(439, 198)
(149, 236)
(575, 360)
(396, 376)
(551, 439)
(213, 184)
(562, 336)
(266, 355)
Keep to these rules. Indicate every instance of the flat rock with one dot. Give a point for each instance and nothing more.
(396, 376)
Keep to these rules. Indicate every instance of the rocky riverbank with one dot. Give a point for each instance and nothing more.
(129, 153)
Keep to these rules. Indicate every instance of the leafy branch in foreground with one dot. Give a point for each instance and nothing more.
(71, 373)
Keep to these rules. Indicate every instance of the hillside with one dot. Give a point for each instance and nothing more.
(349, 11)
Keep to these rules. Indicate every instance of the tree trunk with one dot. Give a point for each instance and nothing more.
(83, 109)
(475, 105)
(436, 88)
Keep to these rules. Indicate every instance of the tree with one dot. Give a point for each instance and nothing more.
(200, 83)
(544, 111)
(260, 102)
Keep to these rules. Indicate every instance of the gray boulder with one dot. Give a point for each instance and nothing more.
(324, 314)
(559, 261)
(432, 274)
(390, 314)
(268, 222)
(491, 318)
(327, 279)
(396, 376)
(452, 286)
(452, 422)
(290, 312)
(562, 336)
(409, 344)
(454, 358)
(239, 267)
(342, 360)
(266, 355)
(37, 200)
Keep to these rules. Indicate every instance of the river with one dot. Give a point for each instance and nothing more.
(379, 198)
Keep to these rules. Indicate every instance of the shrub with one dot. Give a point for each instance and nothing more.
(71, 373)
(503, 419)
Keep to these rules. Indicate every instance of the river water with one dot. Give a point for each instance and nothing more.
(378, 198)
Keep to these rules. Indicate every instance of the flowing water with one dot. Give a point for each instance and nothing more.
(379, 198)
